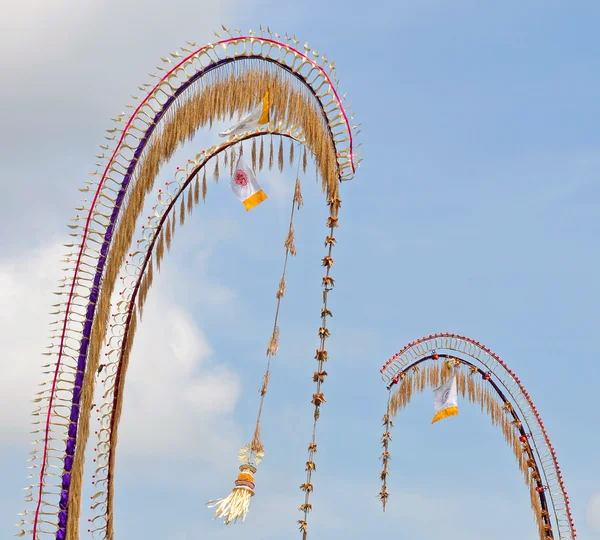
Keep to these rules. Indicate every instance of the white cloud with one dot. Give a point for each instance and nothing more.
(66, 44)
(88, 58)
(174, 396)
(170, 384)
(26, 285)
(31, 24)
(279, 187)
(593, 512)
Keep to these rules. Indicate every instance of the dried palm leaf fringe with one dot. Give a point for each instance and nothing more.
(476, 390)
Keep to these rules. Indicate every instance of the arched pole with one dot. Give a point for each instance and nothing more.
(523, 433)
(504, 381)
(95, 251)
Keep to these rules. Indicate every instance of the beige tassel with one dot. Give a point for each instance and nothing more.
(298, 194)
(150, 270)
(182, 210)
(271, 154)
(236, 505)
(216, 173)
(273, 343)
(168, 234)
(261, 157)
(197, 190)
(291, 154)
(304, 161)
(190, 201)
(263, 391)
(254, 153)
(289, 242)
(281, 289)
(280, 155)
(160, 250)
(204, 186)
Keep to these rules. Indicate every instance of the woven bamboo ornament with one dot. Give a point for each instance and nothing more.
(236, 505)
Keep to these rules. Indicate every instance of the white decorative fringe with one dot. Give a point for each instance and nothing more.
(237, 504)
(233, 507)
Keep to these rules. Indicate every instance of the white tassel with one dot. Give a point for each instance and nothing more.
(237, 504)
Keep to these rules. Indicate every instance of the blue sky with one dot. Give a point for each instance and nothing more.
(475, 211)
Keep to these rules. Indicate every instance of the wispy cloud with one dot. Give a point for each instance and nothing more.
(27, 281)
(175, 395)
(593, 512)
(172, 381)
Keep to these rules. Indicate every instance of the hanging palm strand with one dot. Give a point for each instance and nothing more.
(216, 173)
(280, 155)
(304, 161)
(291, 153)
(385, 455)
(182, 211)
(196, 190)
(321, 357)
(261, 157)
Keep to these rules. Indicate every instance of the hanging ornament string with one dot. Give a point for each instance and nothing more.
(290, 249)
(385, 455)
(318, 398)
(237, 504)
